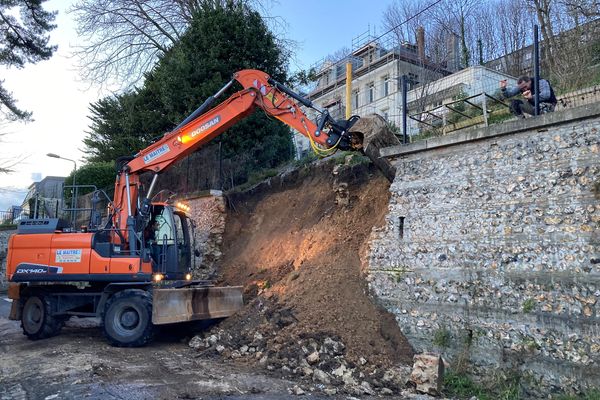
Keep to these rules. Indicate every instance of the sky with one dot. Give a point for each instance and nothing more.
(59, 97)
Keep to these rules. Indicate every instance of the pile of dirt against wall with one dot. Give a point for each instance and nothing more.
(297, 247)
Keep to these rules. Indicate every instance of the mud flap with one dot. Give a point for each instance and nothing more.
(14, 293)
(195, 303)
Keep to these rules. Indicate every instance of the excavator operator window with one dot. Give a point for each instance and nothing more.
(164, 228)
(170, 246)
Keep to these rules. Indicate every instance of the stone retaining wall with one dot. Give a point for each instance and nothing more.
(491, 251)
(4, 235)
(208, 213)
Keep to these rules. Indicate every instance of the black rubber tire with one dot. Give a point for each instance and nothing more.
(36, 321)
(127, 318)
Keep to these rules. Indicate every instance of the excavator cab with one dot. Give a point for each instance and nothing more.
(168, 240)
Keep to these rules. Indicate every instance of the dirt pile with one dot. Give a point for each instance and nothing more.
(296, 246)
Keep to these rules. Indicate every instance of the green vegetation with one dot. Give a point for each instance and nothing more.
(461, 386)
(255, 178)
(6, 226)
(223, 37)
(25, 27)
(441, 337)
(528, 305)
(306, 160)
(101, 174)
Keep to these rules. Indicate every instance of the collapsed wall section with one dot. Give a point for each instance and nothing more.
(491, 251)
(4, 237)
(208, 213)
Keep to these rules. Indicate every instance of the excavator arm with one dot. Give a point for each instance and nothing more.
(259, 91)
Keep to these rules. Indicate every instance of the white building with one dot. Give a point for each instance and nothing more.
(376, 87)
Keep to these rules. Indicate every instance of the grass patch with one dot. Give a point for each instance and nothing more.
(306, 160)
(256, 177)
(441, 337)
(8, 227)
(528, 305)
(461, 386)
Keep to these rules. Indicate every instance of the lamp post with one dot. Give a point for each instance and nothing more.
(52, 155)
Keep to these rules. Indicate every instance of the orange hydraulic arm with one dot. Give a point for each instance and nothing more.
(203, 126)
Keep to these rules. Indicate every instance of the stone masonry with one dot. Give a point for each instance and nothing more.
(491, 250)
(4, 236)
(208, 213)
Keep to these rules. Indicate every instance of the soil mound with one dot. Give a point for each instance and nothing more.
(296, 245)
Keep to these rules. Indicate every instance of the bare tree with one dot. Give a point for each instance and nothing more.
(587, 8)
(124, 38)
(403, 18)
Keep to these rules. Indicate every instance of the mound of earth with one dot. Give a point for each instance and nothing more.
(296, 244)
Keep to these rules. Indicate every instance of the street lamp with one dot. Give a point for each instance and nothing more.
(52, 155)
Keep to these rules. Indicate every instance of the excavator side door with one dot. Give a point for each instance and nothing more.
(171, 247)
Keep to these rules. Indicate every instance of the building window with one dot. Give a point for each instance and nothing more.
(386, 86)
(528, 56)
(413, 81)
(371, 93)
(355, 96)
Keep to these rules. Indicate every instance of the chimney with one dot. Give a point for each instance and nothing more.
(421, 43)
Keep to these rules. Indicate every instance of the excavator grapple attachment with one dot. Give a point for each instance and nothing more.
(195, 303)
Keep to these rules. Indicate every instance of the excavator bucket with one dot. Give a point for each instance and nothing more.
(195, 303)
(373, 133)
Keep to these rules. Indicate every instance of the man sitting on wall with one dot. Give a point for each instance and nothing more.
(526, 88)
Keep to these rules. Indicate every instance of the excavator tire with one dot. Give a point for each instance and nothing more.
(128, 318)
(36, 319)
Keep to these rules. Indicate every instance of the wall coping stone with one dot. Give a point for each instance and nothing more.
(541, 123)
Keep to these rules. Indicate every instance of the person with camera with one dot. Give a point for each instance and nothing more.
(526, 88)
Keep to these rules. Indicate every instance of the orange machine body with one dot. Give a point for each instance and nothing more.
(60, 256)
(118, 253)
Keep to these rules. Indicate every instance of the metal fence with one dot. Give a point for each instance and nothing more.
(473, 97)
(10, 217)
(445, 94)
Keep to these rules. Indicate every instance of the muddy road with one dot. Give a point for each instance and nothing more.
(80, 364)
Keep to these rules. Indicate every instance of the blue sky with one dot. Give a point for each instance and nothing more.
(323, 27)
(59, 99)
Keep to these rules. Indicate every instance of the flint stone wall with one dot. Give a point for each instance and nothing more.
(208, 212)
(490, 254)
(4, 236)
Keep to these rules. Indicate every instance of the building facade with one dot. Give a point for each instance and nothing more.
(44, 198)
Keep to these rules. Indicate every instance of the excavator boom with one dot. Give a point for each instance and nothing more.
(259, 91)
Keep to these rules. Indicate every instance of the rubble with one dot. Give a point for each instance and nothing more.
(297, 248)
(428, 373)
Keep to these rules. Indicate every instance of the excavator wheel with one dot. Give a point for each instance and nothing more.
(36, 320)
(128, 318)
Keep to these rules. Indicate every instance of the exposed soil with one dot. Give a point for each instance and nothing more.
(309, 325)
(297, 249)
(79, 364)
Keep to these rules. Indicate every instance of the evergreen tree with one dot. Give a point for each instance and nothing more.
(222, 39)
(23, 39)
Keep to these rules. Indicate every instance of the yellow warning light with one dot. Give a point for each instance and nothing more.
(184, 139)
(158, 277)
(188, 277)
(182, 206)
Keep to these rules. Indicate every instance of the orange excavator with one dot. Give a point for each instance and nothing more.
(134, 270)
